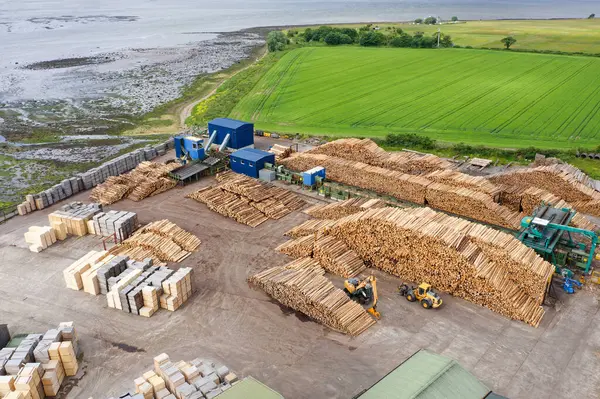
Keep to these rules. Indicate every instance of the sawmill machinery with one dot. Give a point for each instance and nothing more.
(364, 292)
(548, 232)
(428, 298)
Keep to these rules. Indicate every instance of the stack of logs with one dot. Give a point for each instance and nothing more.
(338, 210)
(162, 241)
(465, 202)
(472, 261)
(246, 200)
(309, 292)
(532, 198)
(147, 179)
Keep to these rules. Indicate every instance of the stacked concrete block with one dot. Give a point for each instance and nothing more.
(72, 274)
(22, 354)
(113, 268)
(121, 223)
(29, 381)
(7, 385)
(40, 353)
(114, 296)
(177, 289)
(40, 238)
(150, 301)
(75, 217)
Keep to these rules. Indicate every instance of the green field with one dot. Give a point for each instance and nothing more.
(494, 98)
(569, 35)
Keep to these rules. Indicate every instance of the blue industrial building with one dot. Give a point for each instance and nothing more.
(249, 161)
(241, 134)
(309, 178)
(188, 148)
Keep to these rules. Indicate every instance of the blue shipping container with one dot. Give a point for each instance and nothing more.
(309, 177)
(241, 134)
(249, 161)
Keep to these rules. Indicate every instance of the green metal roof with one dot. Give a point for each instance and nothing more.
(427, 375)
(249, 388)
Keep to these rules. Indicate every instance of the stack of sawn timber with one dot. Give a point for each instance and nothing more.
(197, 379)
(162, 241)
(309, 292)
(246, 200)
(147, 179)
(340, 209)
(468, 260)
(416, 189)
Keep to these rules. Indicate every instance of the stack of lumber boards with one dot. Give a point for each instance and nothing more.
(41, 237)
(162, 241)
(147, 179)
(472, 204)
(309, 227)
(38, 366)
(559, 180)
(314, 295)
(281, 151)
(246, 200)
(340, 209)
(75, 216)
(472, 261)
(170, 379)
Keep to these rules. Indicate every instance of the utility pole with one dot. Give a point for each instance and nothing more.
(439, 33)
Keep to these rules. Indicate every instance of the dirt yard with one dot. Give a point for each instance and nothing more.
(232, 323)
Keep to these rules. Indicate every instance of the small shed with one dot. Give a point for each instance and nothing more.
(249, 161)
(241, 134)
(427, 375)
(309, 178)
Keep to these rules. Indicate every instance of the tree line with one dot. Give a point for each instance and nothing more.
(367, 36)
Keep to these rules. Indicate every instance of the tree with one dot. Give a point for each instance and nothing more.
(454, 19)
(430, 21)
(508, 41)
(352, 33)
(418, 21)
(276, 41)
(399, 31)
(446, 41)
(291, 33)
(335, 38)
(403, 40)
(319, 34)
(372, 39)
(308, 34)
(592, 16)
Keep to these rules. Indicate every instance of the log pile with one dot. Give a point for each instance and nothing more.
(246, 200)
(591, 207)
(147, 179)
(416, 164)
(471, 204)
(280, 151)
(337, 210)
(466, 259)
(314, 295)
(309, 227)
(510, 197)
(535, 197)
(383, 181)
(301, 247)
(305, 263)
(336, 258)
(458, 179)
(162, 241)
(556, 179)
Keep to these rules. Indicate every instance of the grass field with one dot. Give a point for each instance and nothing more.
(569, 35)
(484, 97)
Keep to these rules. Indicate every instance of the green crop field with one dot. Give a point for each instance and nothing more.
(494, 98)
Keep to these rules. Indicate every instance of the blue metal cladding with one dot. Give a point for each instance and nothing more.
(241, 133)
(249, 161)
(309, 176)
(190, 145)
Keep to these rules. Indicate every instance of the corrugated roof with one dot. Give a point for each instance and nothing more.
(427, 375)
(189, 170)
(251, 154)
(228, 123)
(249, 388)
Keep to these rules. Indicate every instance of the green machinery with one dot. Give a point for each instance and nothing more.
(548, 232)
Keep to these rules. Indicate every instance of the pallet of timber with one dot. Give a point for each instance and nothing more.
(314, 295)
